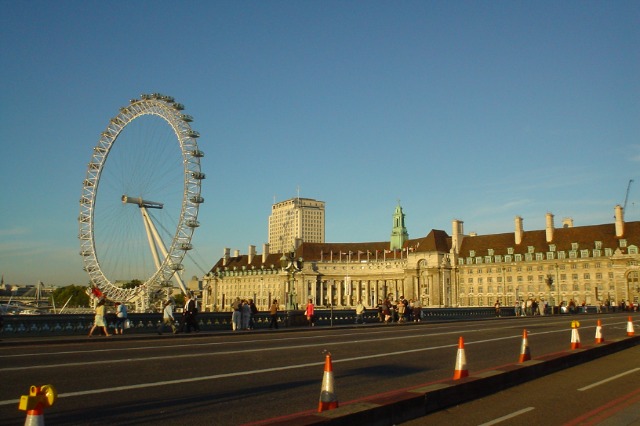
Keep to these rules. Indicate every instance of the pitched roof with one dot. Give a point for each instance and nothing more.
(436, 240)
(585, 236)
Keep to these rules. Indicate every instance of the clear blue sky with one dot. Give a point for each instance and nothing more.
(478, 110)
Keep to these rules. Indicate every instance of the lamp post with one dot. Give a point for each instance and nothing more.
(558, 284)
(290, 265)
(549, 282)
(207, 294)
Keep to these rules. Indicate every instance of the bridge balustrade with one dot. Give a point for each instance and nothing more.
(79, 324)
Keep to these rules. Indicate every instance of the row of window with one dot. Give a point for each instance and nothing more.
(531, 288)
(530, 268)
(541, 278)
(530, 255)
(552, 248)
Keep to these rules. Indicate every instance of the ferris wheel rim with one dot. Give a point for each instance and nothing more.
(171, 112)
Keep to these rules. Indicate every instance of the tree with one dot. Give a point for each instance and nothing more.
(132, 284)
(76, 295)
(179, 298)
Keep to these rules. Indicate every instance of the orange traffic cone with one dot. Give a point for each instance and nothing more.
(328, 398)
(599, 337)
(525, 354)
(34, 404)
(630, 331)
(575, 336)
(461, 362)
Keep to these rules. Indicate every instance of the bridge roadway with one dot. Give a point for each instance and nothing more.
(605, 391)
(268, 376)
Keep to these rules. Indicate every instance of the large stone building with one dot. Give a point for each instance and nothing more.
(593, 263)
(295, 220)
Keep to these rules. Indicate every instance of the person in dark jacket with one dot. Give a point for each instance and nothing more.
(189, 315)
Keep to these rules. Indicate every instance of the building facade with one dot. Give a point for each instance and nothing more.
(294, 221)
(592, 264)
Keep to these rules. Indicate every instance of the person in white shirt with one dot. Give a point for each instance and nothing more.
(360, 312)
(167, 318)
(121, 314)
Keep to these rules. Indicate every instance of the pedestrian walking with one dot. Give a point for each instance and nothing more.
(386, 311)
(401, 308)
(273, 312)
(417, 310)
(99, 319)
(167, 318)
(196, 309)
(254, 312)
(309, 312)
(121, 317)
(360, 310)
(236, 316)
(188, 315)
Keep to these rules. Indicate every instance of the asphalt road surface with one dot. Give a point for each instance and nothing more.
(238, 378)
(605, 391)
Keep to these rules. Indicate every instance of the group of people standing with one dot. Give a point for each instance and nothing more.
(401, 310)
(529, 307)
(243, 314)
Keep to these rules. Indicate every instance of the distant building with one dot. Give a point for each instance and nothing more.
(592, 264)
(294, 221)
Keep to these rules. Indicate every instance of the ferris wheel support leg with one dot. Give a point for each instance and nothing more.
(151, 235)
(156, 241)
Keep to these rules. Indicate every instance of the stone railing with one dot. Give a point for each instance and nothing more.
(80, 324)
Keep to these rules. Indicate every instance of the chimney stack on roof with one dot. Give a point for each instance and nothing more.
(265, 252)
(567, 222)
(519, 229)
(549, 228)
(458, 234)
(252, 253)
(225, 256)
(619, 215)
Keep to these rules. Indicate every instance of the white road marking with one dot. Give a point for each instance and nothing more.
(507, 417)
(617, 376)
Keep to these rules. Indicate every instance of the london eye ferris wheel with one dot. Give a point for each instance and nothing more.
(140, 200)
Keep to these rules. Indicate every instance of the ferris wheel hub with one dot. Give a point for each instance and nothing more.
(141, 203)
